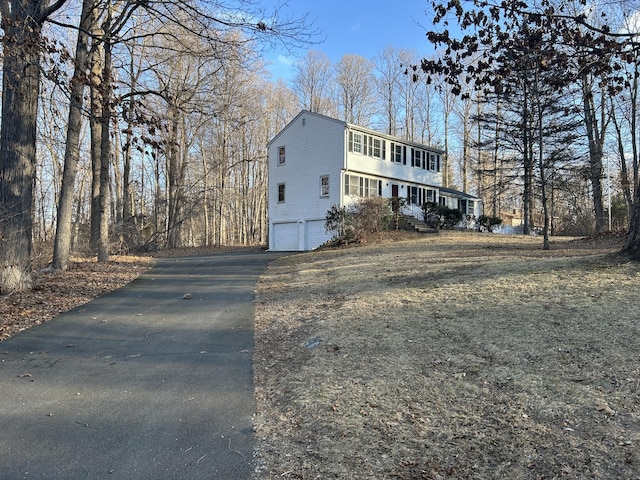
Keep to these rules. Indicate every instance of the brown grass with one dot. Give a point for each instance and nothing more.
(449, 356)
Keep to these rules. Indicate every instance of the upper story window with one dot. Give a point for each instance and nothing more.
(357, 142)
(433, 162)
(417, 158)
(378, 145)
(281, 155)
(397, 153)
(368, 145)
(281, 192)
(324, 186)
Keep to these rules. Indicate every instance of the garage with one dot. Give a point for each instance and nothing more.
(316, 234)
(285, 237)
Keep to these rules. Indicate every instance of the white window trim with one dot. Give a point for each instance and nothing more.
(322, 187)
(284, 193)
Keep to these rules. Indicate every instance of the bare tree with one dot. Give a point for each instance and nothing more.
(389, 68)
(312, 82)
(21, 70)
(356, 86)
(62, 242)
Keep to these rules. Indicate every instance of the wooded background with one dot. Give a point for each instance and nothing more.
(143, 125)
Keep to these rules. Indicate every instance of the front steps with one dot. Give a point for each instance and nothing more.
(414, 224)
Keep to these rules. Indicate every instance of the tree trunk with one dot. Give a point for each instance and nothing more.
(625, 184)
(105, 150)
(20, 91)
(631, 247)
(541, 166)
(174, 220)
(595, 139)
(62, 242)
(526, 195)
(96, 136)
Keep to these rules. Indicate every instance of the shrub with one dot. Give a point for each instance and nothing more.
(339, 222)
(350, 225)
(396, 204)
(488, 223)
(437, 216)
(373, 214)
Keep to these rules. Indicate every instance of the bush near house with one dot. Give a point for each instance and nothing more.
(351, 224)
(437, 216)
(396, 204)
(488, 223)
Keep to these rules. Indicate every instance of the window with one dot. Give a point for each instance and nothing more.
(443, 201)
(357, 142)
(367, 145)
(431, 195)
(413, 195)
(353, 185)
(416, 158)
(371, 187)
(324, 186)
(432, 162)
(281, 155)
(396, 153)
(356, 186)
(281, 193)
(376, 148)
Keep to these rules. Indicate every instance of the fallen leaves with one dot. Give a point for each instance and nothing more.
(55, 293)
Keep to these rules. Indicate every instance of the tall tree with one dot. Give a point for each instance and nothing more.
(313, 83)
(355, 84)
(62, 241)
(568, 38)
(389, 70)
(22, 23)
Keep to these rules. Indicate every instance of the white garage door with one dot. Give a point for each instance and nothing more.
(316, 234)
(285, 237)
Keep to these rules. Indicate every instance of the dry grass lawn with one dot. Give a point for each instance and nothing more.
(449, 356)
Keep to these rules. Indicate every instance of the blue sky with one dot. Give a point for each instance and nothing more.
(360, 27)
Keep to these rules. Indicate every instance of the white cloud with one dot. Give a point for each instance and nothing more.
(285, 60)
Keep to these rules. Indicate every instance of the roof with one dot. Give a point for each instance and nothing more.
(304, 112)
(457, 193)
(357, 127)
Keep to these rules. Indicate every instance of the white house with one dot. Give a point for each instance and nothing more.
(317, 161)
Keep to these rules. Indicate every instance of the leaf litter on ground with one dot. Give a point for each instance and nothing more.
(460, 356)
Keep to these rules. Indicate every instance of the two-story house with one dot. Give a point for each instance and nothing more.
(317, 161)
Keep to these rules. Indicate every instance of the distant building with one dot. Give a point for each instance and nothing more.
(317, 161)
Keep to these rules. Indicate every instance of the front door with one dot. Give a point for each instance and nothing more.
(394, 190)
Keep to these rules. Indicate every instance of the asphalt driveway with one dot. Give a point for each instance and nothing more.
(153, 381)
